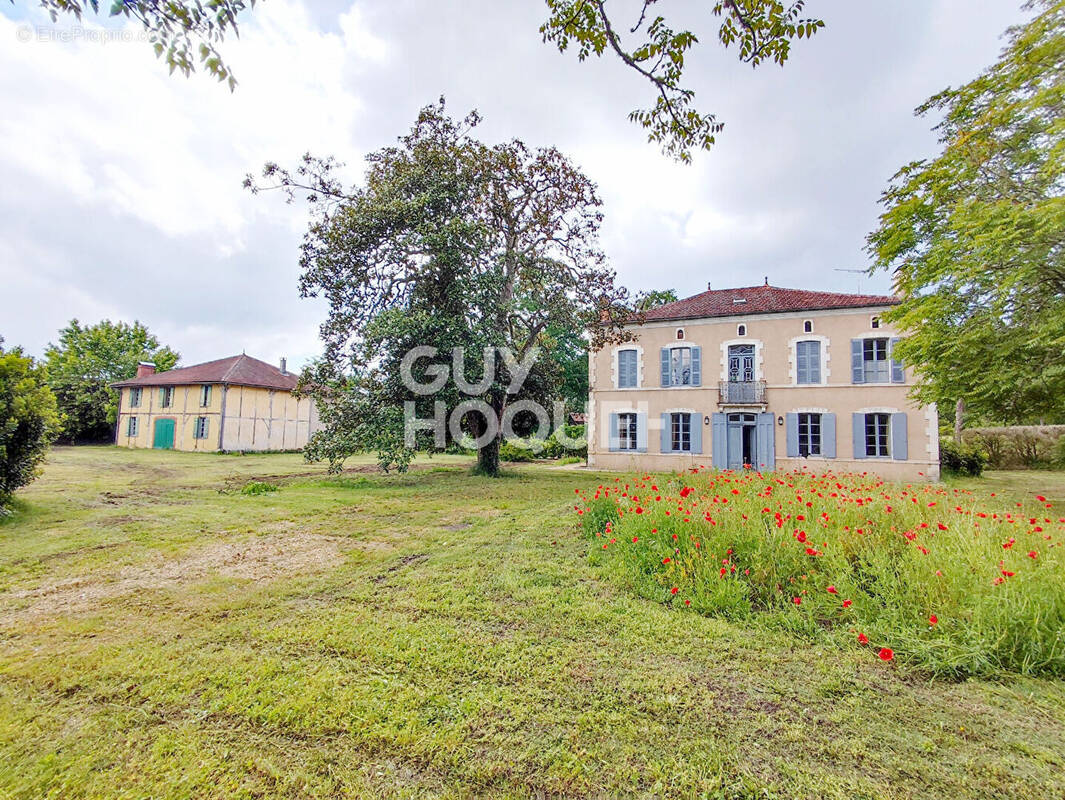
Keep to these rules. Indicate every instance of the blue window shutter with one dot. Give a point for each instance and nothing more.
(633, 356)
(766, 442)
(641, 433)
(859, 435)
(857, 362)
(206, 427)
(828, 435)
(667, 439)
(813, 362)
(697, 432)
(665, 366)
(612, 434)
(898, 373)
(899, 446)
(802, 368)
(791, 423)
(718, 442)
(697, 366)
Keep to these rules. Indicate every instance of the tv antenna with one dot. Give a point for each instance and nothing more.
(859, 271)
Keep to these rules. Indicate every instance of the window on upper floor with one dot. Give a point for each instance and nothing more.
(680, 366)
(680, 333)
(874, 323)
(875, 366)
(135, 397)
(205, 395)
(808, 362)
(166, 396)
(627, 369)
(741, 330)
(807, 326)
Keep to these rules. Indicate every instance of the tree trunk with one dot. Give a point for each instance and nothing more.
(959, 418)
(488, 459)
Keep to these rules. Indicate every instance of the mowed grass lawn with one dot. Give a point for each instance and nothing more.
(432, 634)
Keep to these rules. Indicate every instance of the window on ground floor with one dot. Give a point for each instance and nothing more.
(876, 435)
(680, 428)
(809, 435)
(626, 431)
(200, 429)
(131, 426)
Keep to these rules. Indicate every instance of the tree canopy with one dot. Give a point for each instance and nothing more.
(975, 237)
(87, 359)
(29, 421)
(449, 243)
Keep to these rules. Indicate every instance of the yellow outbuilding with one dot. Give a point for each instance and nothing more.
(236, 403)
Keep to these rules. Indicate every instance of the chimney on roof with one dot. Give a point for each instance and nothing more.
(708, 286)
(145, 368)
(284, 366)
(766, 280)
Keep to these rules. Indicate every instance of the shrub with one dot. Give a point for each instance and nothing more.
(258, 487)
(511, 451)
(29, 421)
(1017, 446)
(947, 583)
(961, 460)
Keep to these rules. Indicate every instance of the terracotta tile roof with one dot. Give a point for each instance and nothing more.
(761, 300)
(239, 370)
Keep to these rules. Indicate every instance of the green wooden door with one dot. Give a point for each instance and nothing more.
(164, 434)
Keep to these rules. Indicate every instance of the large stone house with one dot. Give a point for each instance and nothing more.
(762, 376)
(235, 403)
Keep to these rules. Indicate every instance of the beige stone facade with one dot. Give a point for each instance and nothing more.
(870, 425)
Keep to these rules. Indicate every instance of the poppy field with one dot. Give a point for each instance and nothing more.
(931, 578)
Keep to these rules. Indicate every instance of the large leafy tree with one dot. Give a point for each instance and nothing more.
(976, 236)
(29, 421)
(86, 360)
(449, 242)
(187, 32)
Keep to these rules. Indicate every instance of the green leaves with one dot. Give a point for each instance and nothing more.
(975, 236)
(29, 421)
(181, 32)
(87, 359)
(762, 29)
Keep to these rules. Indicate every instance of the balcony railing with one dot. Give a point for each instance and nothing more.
(742, 393)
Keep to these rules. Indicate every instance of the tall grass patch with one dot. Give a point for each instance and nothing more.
(935, 579)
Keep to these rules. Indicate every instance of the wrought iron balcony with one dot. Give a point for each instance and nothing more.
(742, 393)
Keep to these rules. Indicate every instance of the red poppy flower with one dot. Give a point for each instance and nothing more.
(886, 654)
(674, 590)
(665, 560)
(635, 539)
(932, 620)
(831, 590)
(687, 602)
(1033, 554)
(863, 639)
(797, 601)
(1040, 498)
(848, 603)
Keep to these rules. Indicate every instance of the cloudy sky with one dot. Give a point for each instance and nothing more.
(121, 193)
